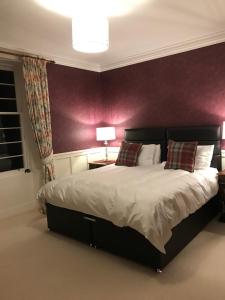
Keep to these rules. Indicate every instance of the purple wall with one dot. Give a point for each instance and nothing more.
(182, 89)
(76, 107)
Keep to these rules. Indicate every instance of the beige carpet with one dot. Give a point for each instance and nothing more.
(38, 264)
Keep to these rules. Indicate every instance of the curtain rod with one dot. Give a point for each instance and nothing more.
(26, 55)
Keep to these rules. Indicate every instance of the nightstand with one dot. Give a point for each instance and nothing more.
(100, 163)
(221, 181)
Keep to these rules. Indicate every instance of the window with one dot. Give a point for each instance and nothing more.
(11, 148)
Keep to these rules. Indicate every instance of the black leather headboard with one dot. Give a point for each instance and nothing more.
(205, 135)
(148, 136)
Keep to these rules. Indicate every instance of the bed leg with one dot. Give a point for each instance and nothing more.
(158, 270)
(92, 245)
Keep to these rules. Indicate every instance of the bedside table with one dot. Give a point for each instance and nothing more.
(221, 182)
(100, 163)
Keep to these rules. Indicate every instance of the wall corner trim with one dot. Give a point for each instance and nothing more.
(191, 44)
(187, 45)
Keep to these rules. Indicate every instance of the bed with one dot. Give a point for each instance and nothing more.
(125, 241)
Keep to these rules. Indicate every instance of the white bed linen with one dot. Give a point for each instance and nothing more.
(150, 200)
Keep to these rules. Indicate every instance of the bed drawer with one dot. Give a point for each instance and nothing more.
(125, 242)
(74, 224)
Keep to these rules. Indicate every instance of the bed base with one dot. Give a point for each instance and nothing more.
(125, 241)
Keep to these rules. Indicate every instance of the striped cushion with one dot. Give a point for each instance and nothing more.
(128, 154)
(181, 155)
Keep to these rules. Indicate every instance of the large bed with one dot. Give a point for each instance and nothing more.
(117, 237)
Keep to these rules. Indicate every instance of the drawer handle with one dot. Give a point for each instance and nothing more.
(89, 219)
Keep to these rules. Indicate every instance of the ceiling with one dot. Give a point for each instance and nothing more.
(155, 28)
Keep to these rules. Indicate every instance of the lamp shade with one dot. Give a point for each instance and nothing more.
(90, 34)
(105, 133)
(223, 133)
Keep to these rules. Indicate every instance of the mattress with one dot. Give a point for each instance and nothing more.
(151, 200)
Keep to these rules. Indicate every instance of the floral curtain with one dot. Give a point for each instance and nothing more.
(36, 87)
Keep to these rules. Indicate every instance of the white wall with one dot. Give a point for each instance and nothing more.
(76, 161)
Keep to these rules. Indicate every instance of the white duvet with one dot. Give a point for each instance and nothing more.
(150, 200)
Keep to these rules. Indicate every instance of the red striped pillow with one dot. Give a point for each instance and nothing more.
(181, 155)
(128, 154)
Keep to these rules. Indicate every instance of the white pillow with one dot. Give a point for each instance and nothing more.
(157, 158)
(146, 156)
(149, 155)
(203, 156)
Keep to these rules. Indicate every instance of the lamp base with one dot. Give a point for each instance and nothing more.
(106, 150)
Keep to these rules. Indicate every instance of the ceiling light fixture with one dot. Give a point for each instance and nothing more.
(90, 34)
(90, 25)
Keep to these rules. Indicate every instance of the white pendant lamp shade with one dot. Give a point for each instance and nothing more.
(90, 34)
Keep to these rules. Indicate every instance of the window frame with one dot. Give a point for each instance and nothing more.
(16, 68)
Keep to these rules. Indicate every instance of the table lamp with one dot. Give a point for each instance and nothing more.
(105, 134)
